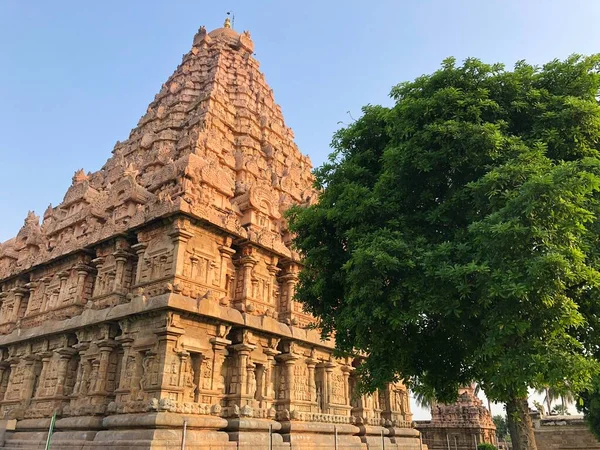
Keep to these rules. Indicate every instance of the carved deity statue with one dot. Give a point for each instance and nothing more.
(252, 383)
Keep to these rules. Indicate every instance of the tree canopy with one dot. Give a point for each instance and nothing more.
(456, 236)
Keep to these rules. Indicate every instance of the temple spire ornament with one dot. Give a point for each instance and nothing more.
(227, 23)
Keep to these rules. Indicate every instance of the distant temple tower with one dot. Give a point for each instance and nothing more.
(459, 426)
(160, 291)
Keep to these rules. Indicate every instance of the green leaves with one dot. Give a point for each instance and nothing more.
(456, 236)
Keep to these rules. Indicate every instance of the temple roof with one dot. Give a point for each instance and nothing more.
(212, 144)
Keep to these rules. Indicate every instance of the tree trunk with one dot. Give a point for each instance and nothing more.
(548, 401)
(520, 424)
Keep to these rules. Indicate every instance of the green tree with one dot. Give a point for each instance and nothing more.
(589, 404)
(484, 446)
(561, 410)
(501, 427)
(455, 236)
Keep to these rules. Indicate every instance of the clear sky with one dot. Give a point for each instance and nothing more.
(76, 76)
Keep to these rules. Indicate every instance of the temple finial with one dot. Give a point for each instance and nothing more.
(227, 23)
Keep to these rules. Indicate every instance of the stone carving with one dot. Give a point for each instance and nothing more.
(466, 421)
(164, 282)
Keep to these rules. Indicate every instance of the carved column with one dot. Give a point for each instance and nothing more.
(126, 368)
(82, 273)
(273, 271)
(346, 370)
(288, 362)
(243, 352)
(329, 367)
(219, 353)
(226, 255)
(139, 249)
(248, 263)
(121, 258)
(311, 363)
(19, 294)
(80, 348)
(3, 299)
(13, 363)
(179, 236)
(62, 290)
(98, 263)
(29, 379)
(167, 342)
(46, 358)
(32, 286)
(4, 365)
(184, 360)
(105, 347)
(64, 356)
(269, 367)
(288, 280)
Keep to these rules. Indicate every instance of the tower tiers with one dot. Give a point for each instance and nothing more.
(160, 291)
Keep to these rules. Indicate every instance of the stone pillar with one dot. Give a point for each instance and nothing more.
(121, 258)
(64, 356)
(62, 291)
(219, 354)
(287, 363)
(311, 363)
(167, 342)
(98, 263)
(243, 352)
(248, 263)
(82, 273)
(329, 366)
(193, 267)
(32, 286)
(19, 294)
(29, 379)
(226, 254)
(139, 249)
(179, 236)
(99, 384)
(269, 388)
(81, 370)
(46, 358)
(346, 370)
(273, 271)
(3, 297)
(184, 359)
(13, 363)
(126, 342)
(4, 365)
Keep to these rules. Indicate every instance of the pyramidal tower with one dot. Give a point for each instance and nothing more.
(155, 303)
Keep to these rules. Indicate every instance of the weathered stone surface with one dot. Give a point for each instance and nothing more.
(563, 433)
(160, 291)
(461, 425)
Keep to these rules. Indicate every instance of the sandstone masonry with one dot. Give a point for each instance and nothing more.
(161, 289)
(459, 426)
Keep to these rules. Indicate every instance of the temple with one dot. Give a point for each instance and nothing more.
(462, 425)
(158, 295)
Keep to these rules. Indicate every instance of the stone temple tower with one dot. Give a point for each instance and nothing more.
(160, 291)
(462, 425)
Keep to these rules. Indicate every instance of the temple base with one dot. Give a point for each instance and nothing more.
(316, 435)
(164, 431)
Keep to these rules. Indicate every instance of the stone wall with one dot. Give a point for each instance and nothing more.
(564, 433)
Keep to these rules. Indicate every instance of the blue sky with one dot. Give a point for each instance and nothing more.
(76, 76)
